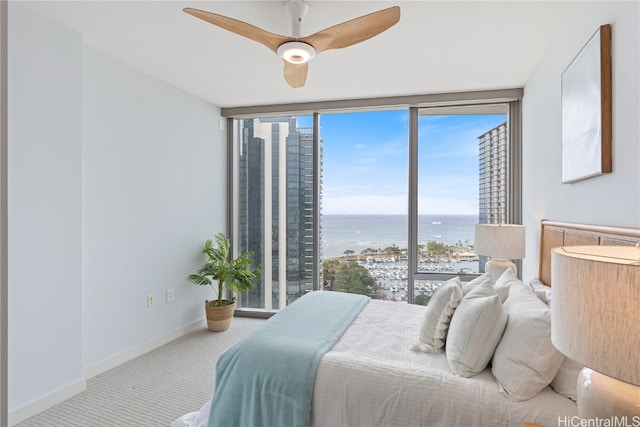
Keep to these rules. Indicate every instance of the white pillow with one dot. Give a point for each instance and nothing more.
(525, 361)
(566, 380)
(475, 282)
(541, 290)
(475, 330)
(501, 286)
(504, 282)
(507, 276)
(435, 323)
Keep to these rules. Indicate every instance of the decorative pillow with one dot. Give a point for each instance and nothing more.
(435, 323)
(501, 286)
(566, 380)
(475, 282)
(475, 330)
(541, 290)
(525, 360)
(504, 282)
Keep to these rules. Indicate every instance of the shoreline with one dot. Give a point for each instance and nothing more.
(341, 232)
(389, 271)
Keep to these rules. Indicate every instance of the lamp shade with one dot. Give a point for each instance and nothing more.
(502, 241)
(595, 311)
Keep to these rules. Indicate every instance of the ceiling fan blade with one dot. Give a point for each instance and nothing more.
(354, 31)
(270, 40)
(295, 74)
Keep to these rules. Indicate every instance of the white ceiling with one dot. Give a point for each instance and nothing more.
(438, 46)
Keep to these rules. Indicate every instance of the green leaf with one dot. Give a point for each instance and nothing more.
(235, 275)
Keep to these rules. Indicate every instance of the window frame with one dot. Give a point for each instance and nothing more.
(413, 103)
(514, 191)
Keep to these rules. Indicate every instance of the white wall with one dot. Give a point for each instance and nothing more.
(115, 181)
(44, 209)
(612, 199)
(153, 159)
(3, 212)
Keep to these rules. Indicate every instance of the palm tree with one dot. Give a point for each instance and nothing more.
(235, 275)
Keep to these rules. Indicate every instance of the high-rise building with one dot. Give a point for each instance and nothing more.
(492, 170)
(274, 135)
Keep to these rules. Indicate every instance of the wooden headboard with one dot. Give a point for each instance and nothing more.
(554, 234)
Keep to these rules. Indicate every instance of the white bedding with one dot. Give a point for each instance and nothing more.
(372, 378)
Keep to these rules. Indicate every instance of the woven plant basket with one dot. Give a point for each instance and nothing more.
(219, 318)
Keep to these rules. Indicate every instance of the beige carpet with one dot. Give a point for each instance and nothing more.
(153, 389)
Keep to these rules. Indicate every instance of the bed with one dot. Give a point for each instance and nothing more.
(390, 385)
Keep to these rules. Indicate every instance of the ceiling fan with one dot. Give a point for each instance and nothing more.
(296, 51)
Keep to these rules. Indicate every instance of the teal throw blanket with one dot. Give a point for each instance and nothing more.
(266, 379)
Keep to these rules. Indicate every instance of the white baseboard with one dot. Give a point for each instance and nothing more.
(20, 414)
(130, 354)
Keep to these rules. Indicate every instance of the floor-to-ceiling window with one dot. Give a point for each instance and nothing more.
(461, 161)
(375, 201)
(275, 205)
(364, 202)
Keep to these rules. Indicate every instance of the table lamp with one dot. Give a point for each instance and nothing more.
(501, 242)
(595, 320)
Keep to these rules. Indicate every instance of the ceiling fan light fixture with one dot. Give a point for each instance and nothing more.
(296, 52)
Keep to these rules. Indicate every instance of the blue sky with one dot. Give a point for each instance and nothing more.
(448, 162)
(365, 162)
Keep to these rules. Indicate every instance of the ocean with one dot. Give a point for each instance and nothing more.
(359, 232)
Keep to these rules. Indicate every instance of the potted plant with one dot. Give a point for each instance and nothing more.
(234, 275)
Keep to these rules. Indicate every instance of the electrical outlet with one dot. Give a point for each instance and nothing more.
(151, 301)
(170, 295)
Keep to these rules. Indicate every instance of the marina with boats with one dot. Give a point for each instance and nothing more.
(391, 273)
(378, 244)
